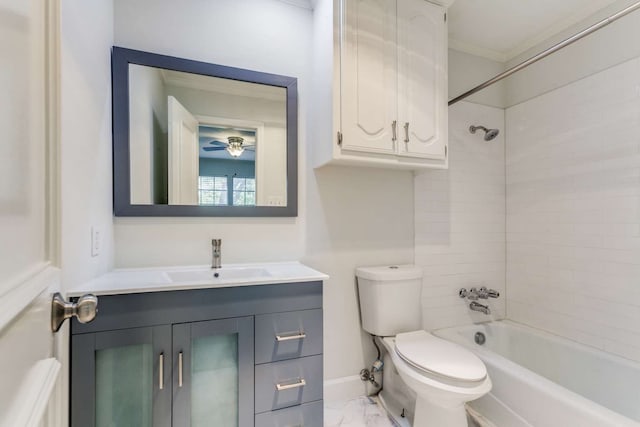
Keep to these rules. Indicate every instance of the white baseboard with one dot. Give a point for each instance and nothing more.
(345, 388)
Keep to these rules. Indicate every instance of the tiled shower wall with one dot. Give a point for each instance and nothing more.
(573, 210)
(460, 220)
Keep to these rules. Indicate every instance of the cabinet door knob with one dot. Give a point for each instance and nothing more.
(406, 132)
(84, 310)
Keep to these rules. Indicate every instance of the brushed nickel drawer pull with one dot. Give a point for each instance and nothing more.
(406, 132)
(161, 371)
(180, 369)
(291, 336)
(300, 383)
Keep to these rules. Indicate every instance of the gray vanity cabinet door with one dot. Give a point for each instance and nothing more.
(213, 363)
(122, 378)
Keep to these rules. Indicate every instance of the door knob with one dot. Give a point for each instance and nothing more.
(84, 310)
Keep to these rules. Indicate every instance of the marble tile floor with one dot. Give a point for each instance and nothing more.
(365, 411)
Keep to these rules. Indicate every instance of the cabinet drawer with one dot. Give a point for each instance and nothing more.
(282, 336)
(288, 383)
(307, 415)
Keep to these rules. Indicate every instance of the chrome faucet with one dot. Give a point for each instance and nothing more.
(476, 306)
(485, 293)
(216, 246)
(474, 294)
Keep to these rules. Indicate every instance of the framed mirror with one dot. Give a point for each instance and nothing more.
(197, 139)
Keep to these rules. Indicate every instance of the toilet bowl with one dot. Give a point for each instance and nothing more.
(426, 379)
(443, 375)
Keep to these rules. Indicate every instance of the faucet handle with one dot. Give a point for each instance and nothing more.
(471, 294)
(485, 293)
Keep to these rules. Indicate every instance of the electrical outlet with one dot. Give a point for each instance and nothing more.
(96, 241)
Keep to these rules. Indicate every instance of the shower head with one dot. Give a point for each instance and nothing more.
(489, 134)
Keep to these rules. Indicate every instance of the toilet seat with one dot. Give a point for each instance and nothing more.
(440, 359)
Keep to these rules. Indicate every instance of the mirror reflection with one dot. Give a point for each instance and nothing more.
(208, 141)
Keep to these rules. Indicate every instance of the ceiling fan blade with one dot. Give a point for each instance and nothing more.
(216, 142)
(214, 148)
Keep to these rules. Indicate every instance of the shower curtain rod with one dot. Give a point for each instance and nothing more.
(595, 27)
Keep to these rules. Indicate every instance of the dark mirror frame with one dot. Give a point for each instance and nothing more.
(120, 60)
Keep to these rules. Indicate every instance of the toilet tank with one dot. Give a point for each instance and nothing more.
(390, 299)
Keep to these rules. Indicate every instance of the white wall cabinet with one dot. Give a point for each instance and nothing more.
(388, 86)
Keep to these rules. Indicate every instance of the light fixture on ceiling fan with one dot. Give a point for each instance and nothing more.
(235, 148)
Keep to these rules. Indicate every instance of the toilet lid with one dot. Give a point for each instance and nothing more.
(429, 353)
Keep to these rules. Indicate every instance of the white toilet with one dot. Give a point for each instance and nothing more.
(426, 379)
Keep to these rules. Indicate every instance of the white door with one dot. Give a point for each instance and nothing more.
(184, 149)
(422, 79)
(368, 75)
(31, 388)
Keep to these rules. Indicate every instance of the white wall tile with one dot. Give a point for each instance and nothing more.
(573, 211)
(460, 221)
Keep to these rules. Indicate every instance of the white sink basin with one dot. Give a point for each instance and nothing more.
(221, 274)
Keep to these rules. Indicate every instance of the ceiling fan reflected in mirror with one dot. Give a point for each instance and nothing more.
(235, 143)
(235, 146)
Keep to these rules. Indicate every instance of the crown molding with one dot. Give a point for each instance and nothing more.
(444, 3)
(472, 49)
(587, 15)
(587, 12)
(305, 4)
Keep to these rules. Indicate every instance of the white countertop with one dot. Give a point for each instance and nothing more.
(156, 279)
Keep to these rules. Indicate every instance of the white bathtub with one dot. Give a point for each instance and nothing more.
(542, 380)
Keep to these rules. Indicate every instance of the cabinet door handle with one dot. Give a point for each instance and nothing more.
(406, 132)
(290, 337)
(161, 371)
(180, 369)
(394, 125)
(287, 386)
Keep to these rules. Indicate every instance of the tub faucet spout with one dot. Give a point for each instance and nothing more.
(216, 246)
(476, 306)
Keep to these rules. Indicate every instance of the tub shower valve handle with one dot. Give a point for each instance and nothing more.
(471, 294)
(485, 293)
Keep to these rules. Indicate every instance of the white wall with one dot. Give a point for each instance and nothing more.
(267, 36)
(573, 210)
(347, 217)
(357, 217)
(467, 71)
(85, 115)
(460, 219)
